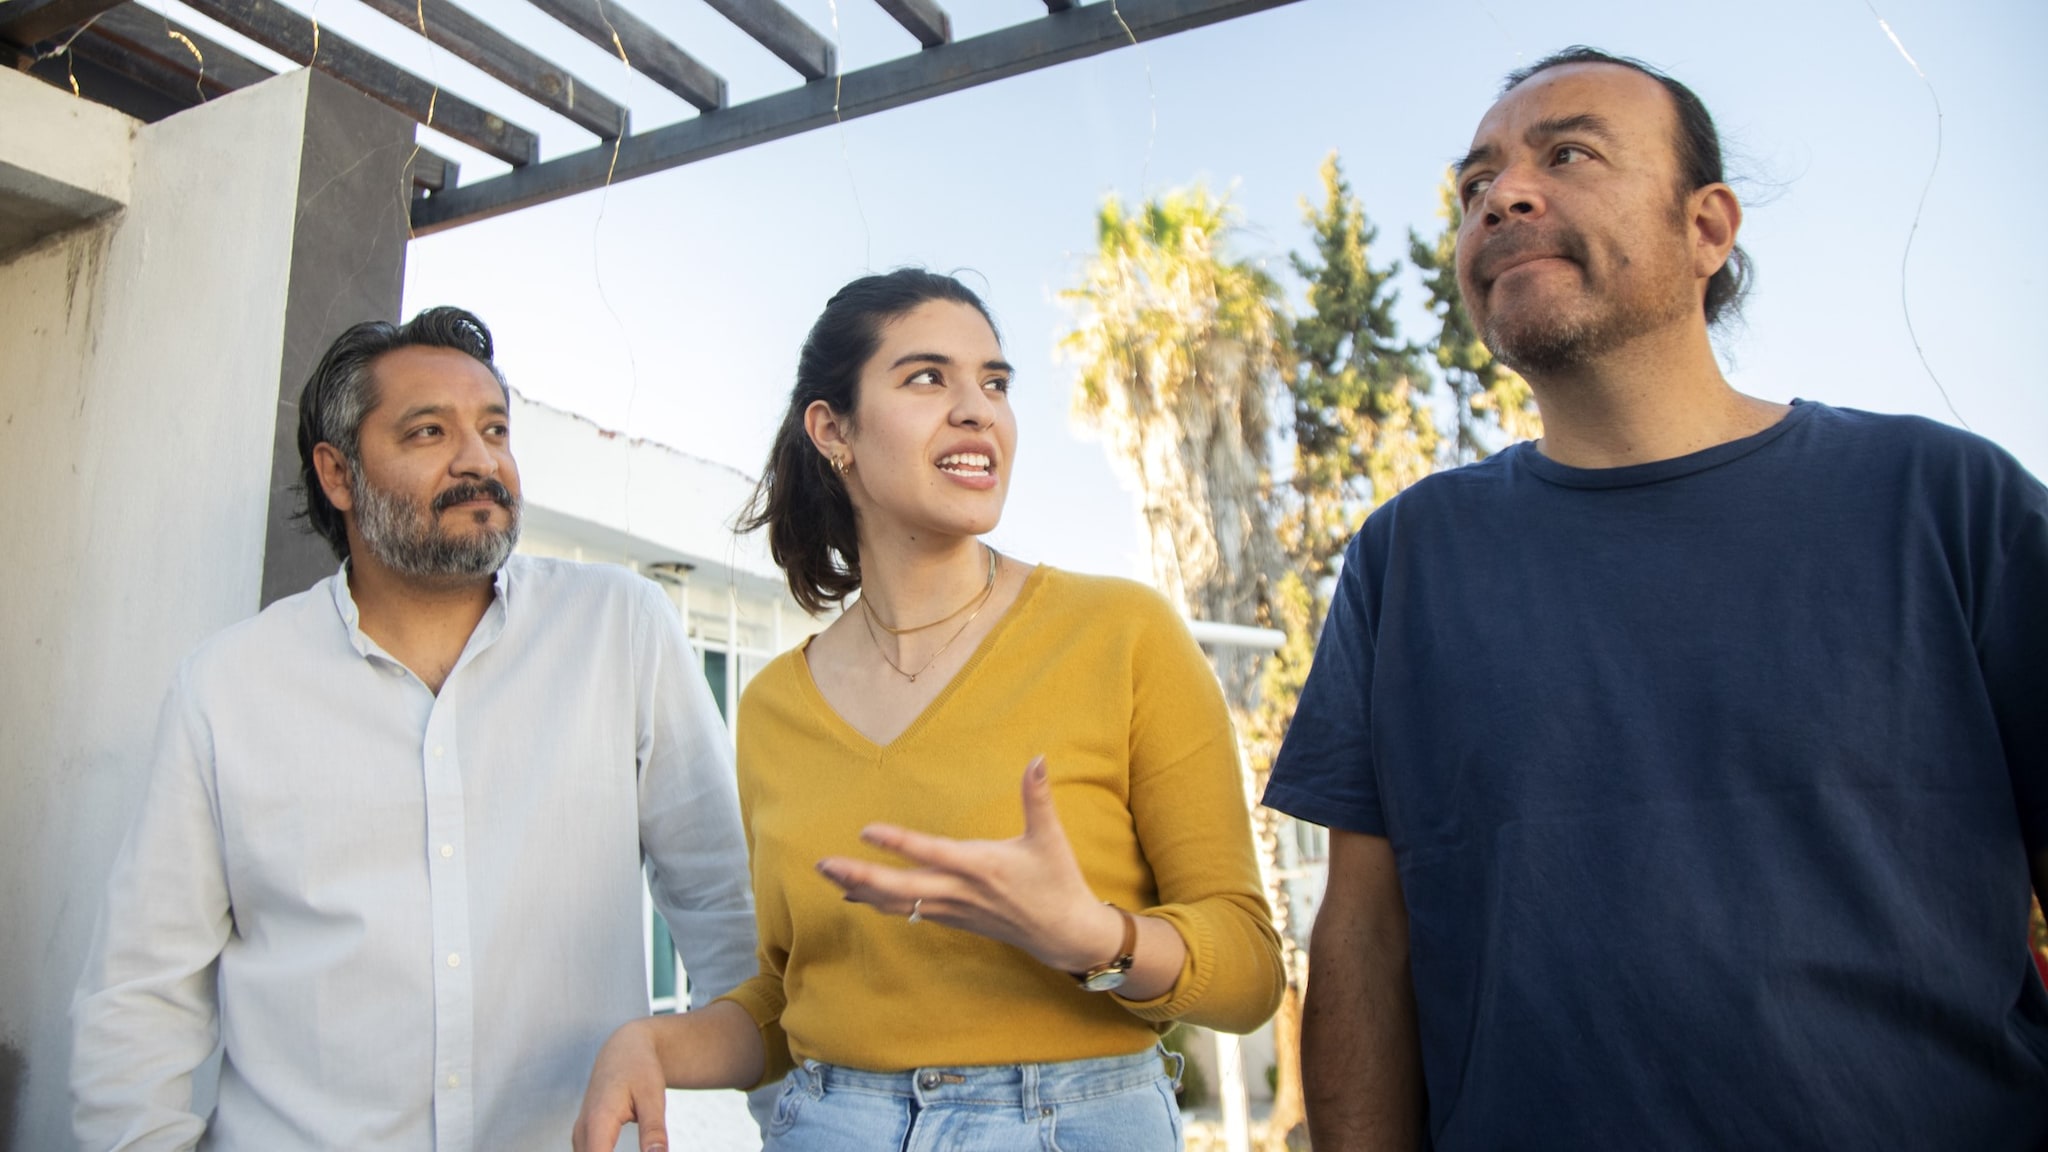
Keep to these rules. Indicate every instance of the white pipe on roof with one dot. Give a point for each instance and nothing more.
(1237, 635)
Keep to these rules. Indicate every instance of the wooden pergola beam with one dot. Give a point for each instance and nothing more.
(179, 87)
(509, 62)
(1087, 30)
(784, 33)
(647, 51)
(187, 68)
(922, 19)
(292, 36)
(188, 63)
(27, 21)
(434, 173)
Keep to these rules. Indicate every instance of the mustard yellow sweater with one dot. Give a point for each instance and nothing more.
(1099, 676)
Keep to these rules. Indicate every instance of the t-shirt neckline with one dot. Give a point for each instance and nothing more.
(1657, 471)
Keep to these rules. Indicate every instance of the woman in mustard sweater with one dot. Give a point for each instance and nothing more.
(999, 836)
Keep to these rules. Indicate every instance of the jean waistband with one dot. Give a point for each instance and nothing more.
(1026, 1086)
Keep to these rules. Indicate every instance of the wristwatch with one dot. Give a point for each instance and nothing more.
(1106, 977)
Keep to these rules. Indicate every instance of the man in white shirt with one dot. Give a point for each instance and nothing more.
(390, 856)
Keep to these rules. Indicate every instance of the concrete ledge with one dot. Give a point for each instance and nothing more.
(63, 161)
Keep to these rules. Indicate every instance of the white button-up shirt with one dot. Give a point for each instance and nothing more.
(412, 919)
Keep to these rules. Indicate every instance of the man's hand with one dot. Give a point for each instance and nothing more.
(1360, 1055)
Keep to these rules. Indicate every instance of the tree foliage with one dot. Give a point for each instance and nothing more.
(1486, 396)
(1180, 350)
(1183, 352)
(1361, 430)
(1193, 372)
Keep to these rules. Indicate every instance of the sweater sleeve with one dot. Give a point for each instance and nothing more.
(762, 998)
(1190, 809)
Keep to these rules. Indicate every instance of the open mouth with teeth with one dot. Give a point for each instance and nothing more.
(966, 464)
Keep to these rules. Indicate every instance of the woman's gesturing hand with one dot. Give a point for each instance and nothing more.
(1027, 891)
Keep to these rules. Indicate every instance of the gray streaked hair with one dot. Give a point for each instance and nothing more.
(342, 391)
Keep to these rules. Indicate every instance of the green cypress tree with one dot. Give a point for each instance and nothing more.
(1361, 429)
(1485, 396)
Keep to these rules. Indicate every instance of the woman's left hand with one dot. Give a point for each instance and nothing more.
(1027, 891)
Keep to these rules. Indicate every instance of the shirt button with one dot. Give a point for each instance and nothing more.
(447, 850)
(437, 749)
(454, 960)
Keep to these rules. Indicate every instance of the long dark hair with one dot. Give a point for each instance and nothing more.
(342, 391)
(800, 499)
(1699, 162)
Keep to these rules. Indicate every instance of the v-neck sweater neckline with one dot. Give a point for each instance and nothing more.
(843, 729)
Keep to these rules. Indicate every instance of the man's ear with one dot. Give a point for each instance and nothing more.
(332, 468)
(1716, 218)
(828, 430)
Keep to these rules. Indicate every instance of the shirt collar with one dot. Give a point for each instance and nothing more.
(487, 629)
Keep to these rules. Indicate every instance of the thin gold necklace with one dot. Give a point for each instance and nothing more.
(868, 615)
(954, 614)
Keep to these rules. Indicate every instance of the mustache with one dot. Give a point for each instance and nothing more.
(1507, 247)
(469, 490)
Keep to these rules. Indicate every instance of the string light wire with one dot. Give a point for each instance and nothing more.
(597, 275)
(405, 193)
(1919, 210)
(845, 153)
(1151, 99)
(64, 50)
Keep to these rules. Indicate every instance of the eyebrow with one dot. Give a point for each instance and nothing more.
(945, 361)
(417, 411)
(1584, 123)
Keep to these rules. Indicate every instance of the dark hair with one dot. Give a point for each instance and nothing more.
(342, 391)
(800, 499)
(1698, 147)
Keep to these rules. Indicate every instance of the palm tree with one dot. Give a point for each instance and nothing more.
(1182, 352)
(1179, 350)
(1184, 355)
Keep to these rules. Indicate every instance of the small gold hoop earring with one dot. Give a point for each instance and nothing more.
(841, 465)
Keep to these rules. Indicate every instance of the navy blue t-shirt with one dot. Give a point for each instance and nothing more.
(1712, 784)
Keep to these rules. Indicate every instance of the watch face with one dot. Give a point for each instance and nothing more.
(1105, 981)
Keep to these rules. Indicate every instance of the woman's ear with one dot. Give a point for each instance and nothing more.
(828, 431)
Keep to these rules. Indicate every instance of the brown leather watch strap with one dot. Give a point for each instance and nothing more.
(1126, 953)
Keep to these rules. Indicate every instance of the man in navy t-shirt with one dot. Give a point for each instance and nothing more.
(1687, 770)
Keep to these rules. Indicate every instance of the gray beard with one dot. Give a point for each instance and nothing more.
(1553, 344)
(406, 537)
(1549, 346)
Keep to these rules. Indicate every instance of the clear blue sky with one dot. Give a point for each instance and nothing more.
(673, 306)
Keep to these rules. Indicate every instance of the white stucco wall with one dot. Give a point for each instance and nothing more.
(593, 494)
(138, 390)
(62, 162)
(639, 489)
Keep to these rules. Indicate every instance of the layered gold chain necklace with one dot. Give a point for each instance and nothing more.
(979, 602)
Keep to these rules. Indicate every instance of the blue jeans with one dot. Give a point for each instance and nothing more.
(1113, 1104)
